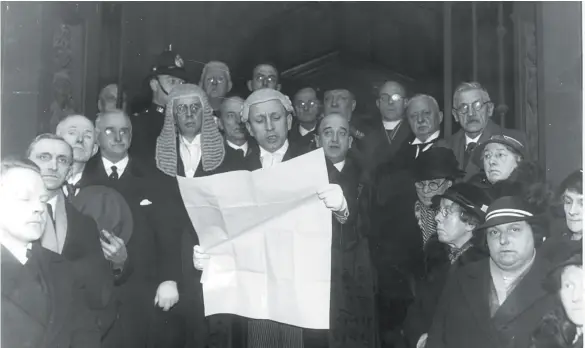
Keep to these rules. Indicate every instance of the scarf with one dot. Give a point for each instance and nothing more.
(212, 149)
(426, 220)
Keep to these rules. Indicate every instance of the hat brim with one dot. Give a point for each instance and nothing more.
(454, 198)
(478, 151)
(178, 73)
(505, 220)
(437, 174)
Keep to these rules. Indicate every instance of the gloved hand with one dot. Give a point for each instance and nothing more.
(167, 295)
(200, 259)
(332, 196)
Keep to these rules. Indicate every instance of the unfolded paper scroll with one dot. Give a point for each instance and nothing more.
(269, 240)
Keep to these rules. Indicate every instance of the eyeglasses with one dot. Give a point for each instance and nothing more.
(395, 98)
(464, 109)
(432, 185)
(218, 80)
(182, 109)
(447, 210)
(306, 105)
(269, 79)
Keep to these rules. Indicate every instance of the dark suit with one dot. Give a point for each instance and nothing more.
(153, 250)
(47, 310)
(456, 142)
(462, 318)
(83, 250)
(305, 143)
(146, 126)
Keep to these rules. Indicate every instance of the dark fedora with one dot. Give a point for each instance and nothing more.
(170, 63)
(471, 198)
(437, 163)
(108, 208)
(507, 209)
(513, 143)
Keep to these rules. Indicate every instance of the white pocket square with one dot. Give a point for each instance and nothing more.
(145, 202)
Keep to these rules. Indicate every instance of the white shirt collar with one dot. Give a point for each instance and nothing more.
(390, 125)
(195, 142)
(18, 250)
(74, 179)
(269, 159)
(304, 132)
(339, 165)
(244, 147)
(431, 138)
(471, 140)
(120, 165)
(190, 153)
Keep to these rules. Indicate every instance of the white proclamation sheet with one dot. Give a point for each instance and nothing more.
(269, 240)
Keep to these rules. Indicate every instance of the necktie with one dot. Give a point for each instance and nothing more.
(28, 254)
(114, 175)
(241, 152)
(70, 190)
(50, 212)
(468, 151)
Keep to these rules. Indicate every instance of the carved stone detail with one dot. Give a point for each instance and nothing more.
(63, 103)
(530, 75)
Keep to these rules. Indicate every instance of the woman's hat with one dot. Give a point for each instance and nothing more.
(471, 198)
(503, 139)
(505, 210)
(437, 163)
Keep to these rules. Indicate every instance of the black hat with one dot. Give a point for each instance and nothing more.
(507, 209)
(573, 256)
(503, 139)
(471, 198)
(170, 63)
(436, 163)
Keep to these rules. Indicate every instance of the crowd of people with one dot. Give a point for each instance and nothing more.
(436, 241)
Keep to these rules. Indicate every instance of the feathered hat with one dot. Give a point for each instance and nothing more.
(212, 149)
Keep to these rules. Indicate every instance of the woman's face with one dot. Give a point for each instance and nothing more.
(511, 245)
(571, 294)
(498, 162)
(573, 205)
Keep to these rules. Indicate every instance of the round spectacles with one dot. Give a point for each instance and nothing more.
(306, 105)
(269, 79)
(445, 211)
(386, 98)
(464, 109)
(432, 185)
(218, 80)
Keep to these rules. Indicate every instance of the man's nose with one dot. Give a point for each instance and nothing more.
(269, 125)
(334, 102)
(265, 83)
(504, 238)
(573, 210)
(117, 137)
(79, 139)
(420, 118)
(53, 164)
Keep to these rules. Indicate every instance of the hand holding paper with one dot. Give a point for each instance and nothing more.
(332, 196)
(200, 259)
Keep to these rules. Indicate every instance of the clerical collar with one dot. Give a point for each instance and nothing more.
(471, 140)
(390, 125)
(339, 165)
(244, 147)
(433, 137)
(304, 132)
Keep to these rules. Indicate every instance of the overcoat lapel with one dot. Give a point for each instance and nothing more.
(475, 287)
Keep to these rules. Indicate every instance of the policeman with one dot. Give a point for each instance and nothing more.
(168, 71)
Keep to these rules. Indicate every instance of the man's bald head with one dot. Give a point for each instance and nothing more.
(391, 101)
(79, 132)
(333, 136)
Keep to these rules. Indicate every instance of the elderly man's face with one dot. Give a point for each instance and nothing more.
(216, 83)
(450, 229)
(334, 137)
(423, 117)
(306, 105)
(427, 189)
(264, 76)
(78, 131)
(230, 120)
(391, 101)
(269, 123)
(23, 201)
(511, 245)
(115, 135)
(498, 162)
(466, 113)
(188, 112)
(339, 101)
(54, 157)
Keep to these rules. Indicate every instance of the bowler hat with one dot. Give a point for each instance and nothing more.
(108, 208)
(515, 144)
(170, 63)
(436, 163)
(471, 198)
(507, 209)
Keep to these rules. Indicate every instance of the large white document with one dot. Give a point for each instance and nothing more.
(269, 240)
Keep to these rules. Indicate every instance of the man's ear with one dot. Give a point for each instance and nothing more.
(230, 85)
(449, 183)
(353, 104)
(278, 87)
(378, 103)
(219, 122)
(350, 141)
(440, 117)
(289, 121)
(455, 116)
(317, 140)
(153, 85)
(247, 123)
(249, 84)
(95, 149)
(490, 109)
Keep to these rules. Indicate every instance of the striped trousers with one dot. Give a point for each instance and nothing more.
(271, 334)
